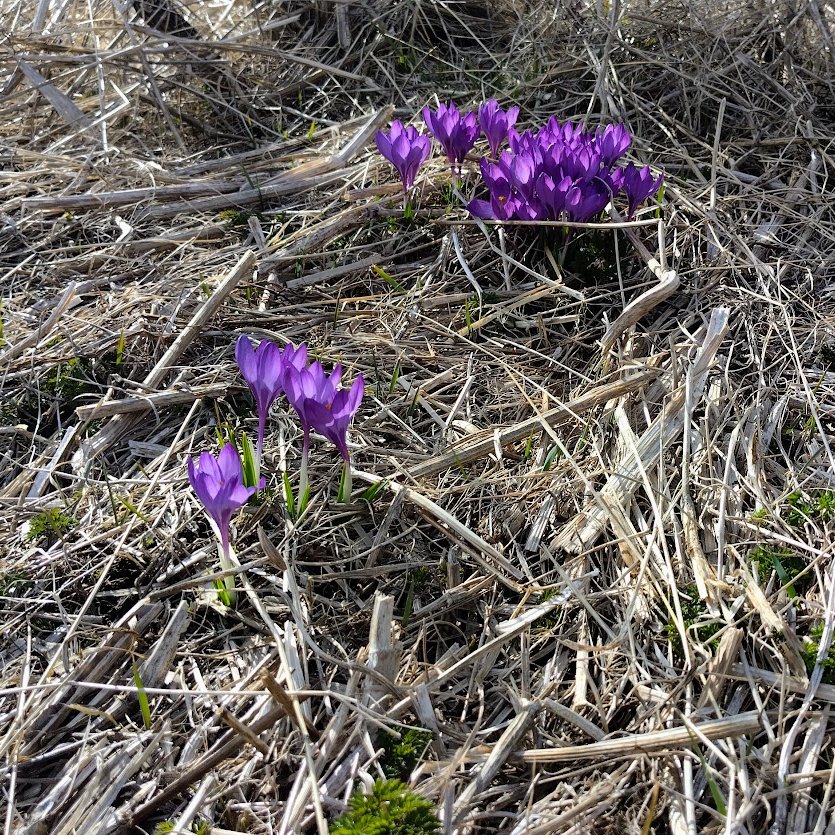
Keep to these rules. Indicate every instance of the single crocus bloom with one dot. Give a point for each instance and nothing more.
(503, 202)
(552, 195)
(456, 133)
(406, 149)
(303, 387)
(639, 185)
(496, 123)
(219, 484)
(332, 419)
(612, 143)
(263, 369)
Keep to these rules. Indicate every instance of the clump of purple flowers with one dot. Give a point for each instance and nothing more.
(562, 171)
(225, 483)
(316, 397)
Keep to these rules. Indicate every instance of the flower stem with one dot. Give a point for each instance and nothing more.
(262, 421)
(226, 564)
(303, 483)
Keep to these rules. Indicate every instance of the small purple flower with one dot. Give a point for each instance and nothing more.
(219, 484)
(552, 195)
(583, 164)
(586, 199)
(406, 149)
(520, 170)
(307, 385)
(456, 133)
(502, 204)
(303, 387)
(263, 369)
(638, 186)
(332, 419)
(496, 123)
(611, 143)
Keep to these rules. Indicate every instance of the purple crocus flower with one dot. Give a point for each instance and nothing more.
(552, 195)
(586, 199)
(496, 123)
(321, 405)
(406, 149)
(502, 204)
(639, 185)
(456, 133)
(612, 143)
(304, 386)
(560, 171)
(332, 419)
(219, 484)
(263, 369)
(310, 384)
(520, 170)
(583, 164)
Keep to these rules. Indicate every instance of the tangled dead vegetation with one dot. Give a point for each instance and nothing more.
(587, 580)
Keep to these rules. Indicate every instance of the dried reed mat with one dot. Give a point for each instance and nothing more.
(585, 581)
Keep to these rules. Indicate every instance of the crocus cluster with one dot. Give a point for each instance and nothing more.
(407, 149)
(315, 396)
(221, 483)
(562, 171)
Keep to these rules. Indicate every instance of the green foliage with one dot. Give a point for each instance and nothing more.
(8, 413)
(120, 347)
(554, 454)
(403, 754)
(592, 255)
(759, 515)
(69, 379)
(785, 563)
(818, 507)
(236, 218)
(419, 580)
(249, 462)
(391, 809)
(547, 622)
(197, 828)
(448, 195)
(372, 493)
(142, 696)
(692, 612)
(826, 352)
(810, 654)
(389, 279)
(50, 524)
(12, 582)
(406, 59)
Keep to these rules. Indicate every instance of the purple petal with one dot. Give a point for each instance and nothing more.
(481, 208)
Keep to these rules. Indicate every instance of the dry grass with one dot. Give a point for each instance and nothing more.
(568, 578)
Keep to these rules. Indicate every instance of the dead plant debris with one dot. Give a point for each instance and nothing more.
(587, 583)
